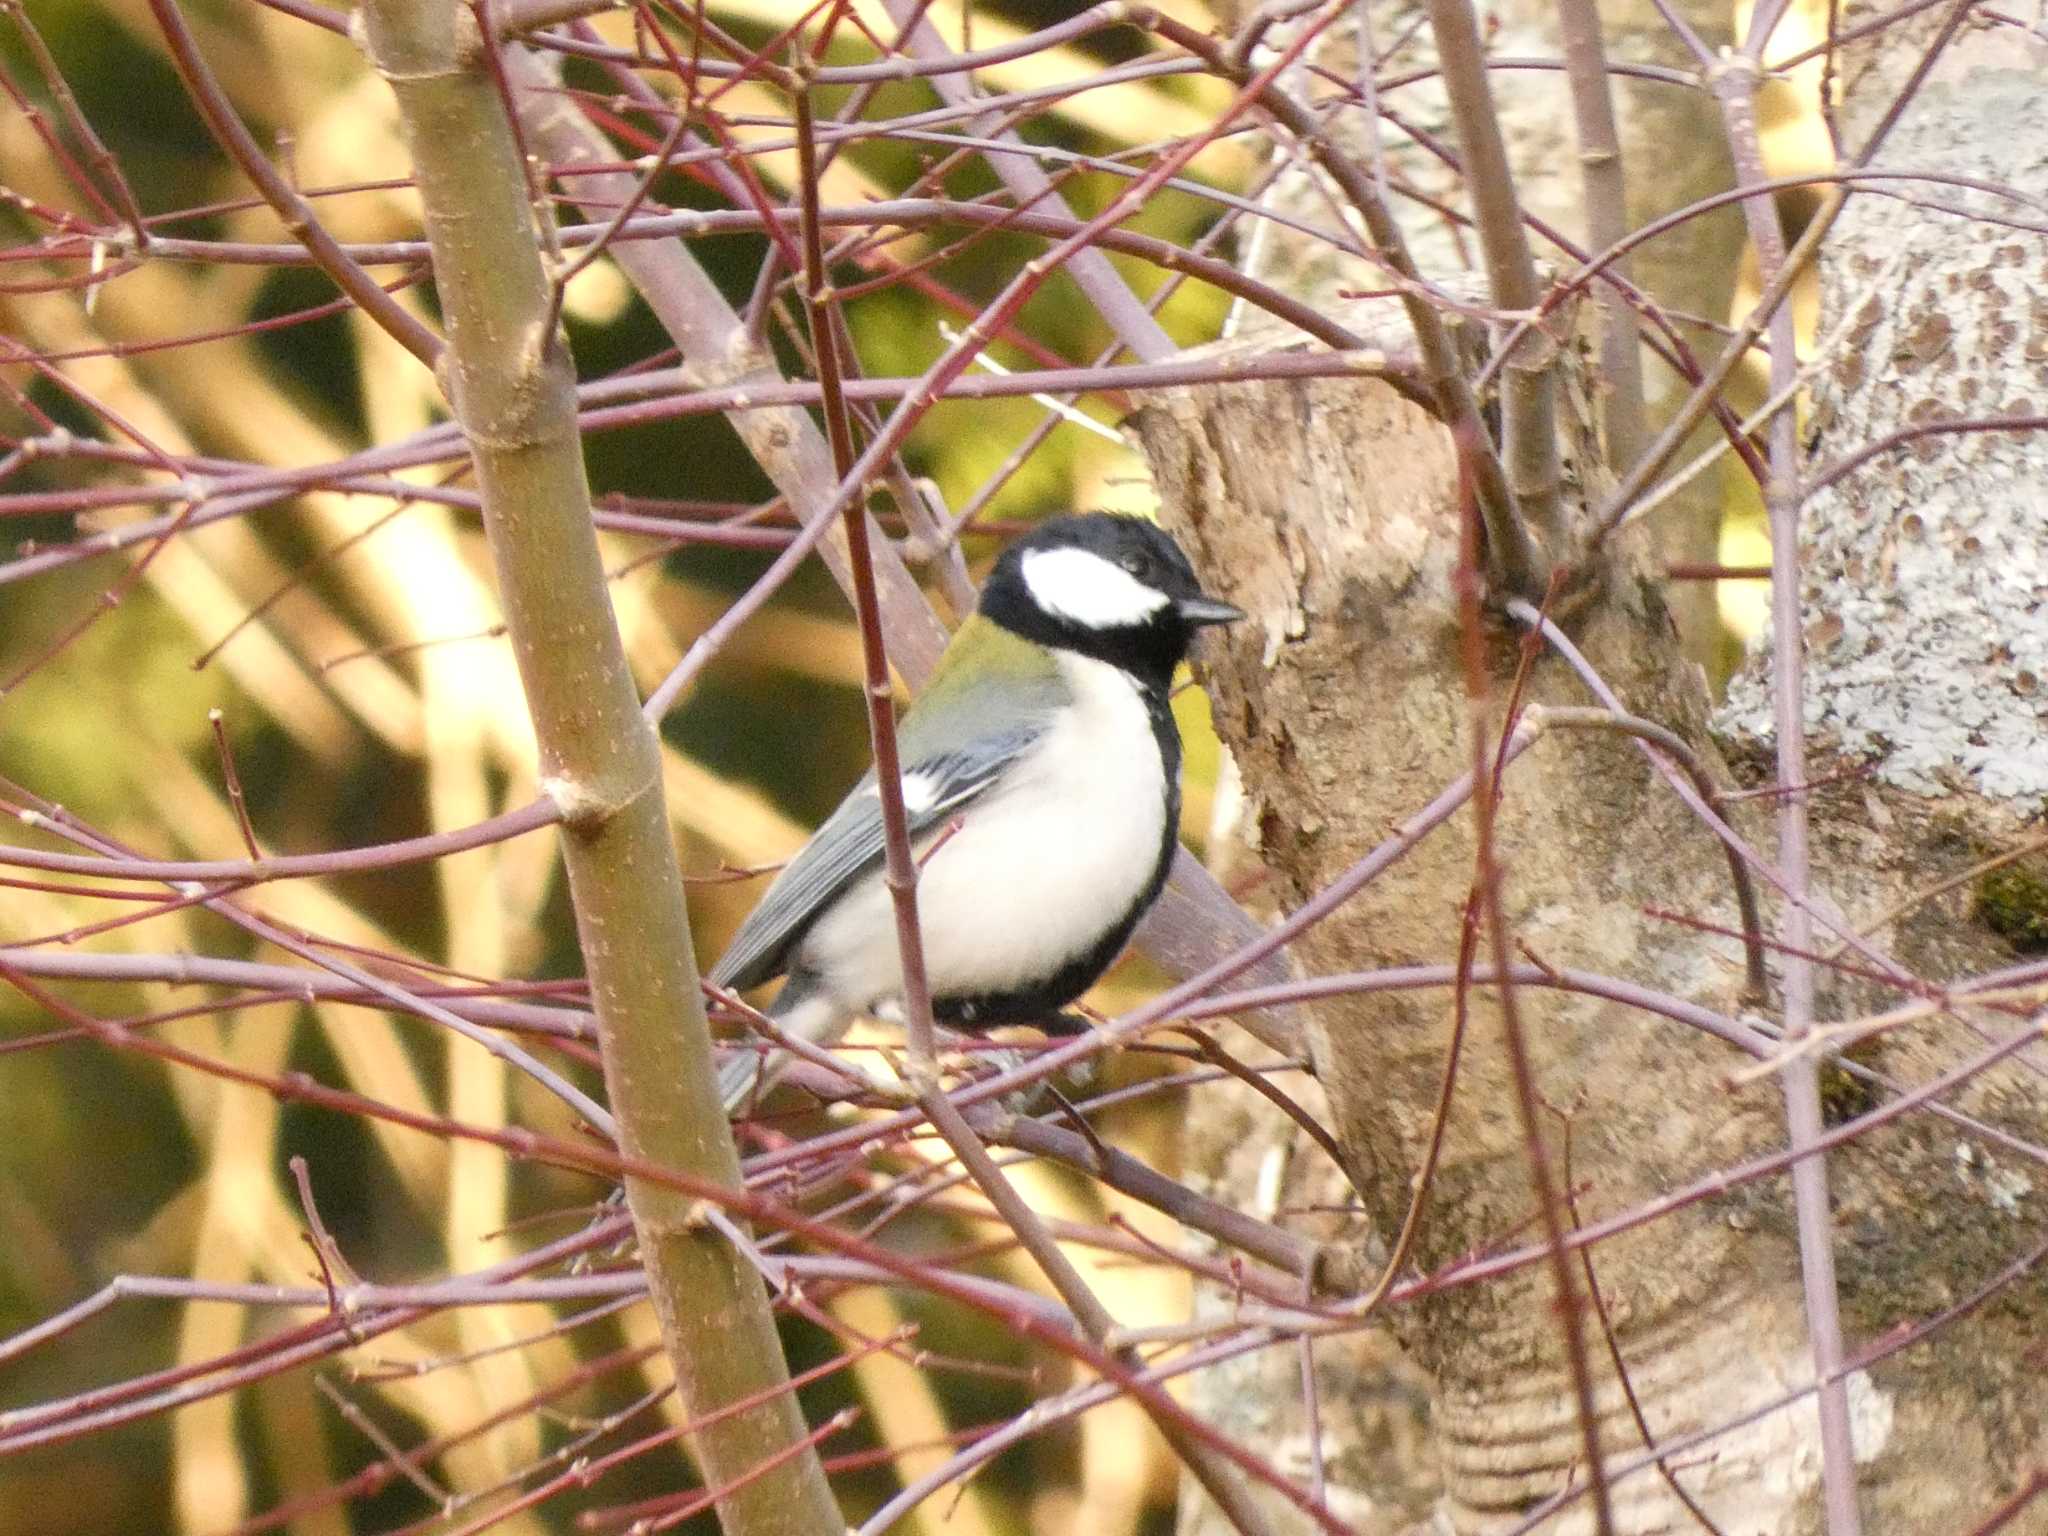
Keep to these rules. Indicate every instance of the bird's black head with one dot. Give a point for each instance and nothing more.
(1114, 588)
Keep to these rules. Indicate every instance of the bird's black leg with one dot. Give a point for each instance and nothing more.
(1065, 1024)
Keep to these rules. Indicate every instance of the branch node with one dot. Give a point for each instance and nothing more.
(533, 352)
(1334, 1269)
(1731, 67)
(582, 806)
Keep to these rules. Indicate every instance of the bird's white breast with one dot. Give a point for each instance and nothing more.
(1042, 865)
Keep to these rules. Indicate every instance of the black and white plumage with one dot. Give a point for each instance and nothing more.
(1041, 774)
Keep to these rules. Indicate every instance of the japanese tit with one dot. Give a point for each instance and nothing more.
(1041, 780)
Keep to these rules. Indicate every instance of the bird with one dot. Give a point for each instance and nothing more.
(1040, 769)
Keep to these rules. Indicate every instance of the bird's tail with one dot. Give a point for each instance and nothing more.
(740, 1078)
(809, 1013)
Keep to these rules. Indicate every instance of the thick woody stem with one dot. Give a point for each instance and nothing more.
(1529, 377)
(1606, 198)
(512, 388)
(1516, 565)
(1487, 880)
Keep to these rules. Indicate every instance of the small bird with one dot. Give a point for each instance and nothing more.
(1041, 781)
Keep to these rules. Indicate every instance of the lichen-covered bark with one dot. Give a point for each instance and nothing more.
(1924, 587)
(1925, 570)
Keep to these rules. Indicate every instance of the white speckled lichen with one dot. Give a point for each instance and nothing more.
(1924, 573)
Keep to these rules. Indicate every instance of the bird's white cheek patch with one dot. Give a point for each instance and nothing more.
(1085, 589)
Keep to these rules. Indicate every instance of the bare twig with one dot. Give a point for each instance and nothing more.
(1128, 1176)
(1736, 83)
(1706, 394)
(1516, 565)
(219, 901)
(233, 781)
(106, 167)
(1488, 759)
(900, 874)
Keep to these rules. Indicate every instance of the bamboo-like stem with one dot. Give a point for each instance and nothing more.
(1529, 375)
(1604, 179)
(512, 388)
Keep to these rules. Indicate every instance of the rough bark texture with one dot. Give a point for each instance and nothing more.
(1330, 515)
(1673, 155)
(1374, 1426)
(1924, 570)
(1328, 511)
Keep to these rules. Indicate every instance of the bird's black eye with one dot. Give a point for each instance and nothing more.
(1132, 564)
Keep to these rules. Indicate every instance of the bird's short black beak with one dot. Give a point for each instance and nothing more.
(1199, 610)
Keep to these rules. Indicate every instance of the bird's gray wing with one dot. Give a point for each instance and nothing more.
(849, 844)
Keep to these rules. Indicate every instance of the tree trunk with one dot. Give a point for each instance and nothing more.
(1329, 512)
(1673, 155)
